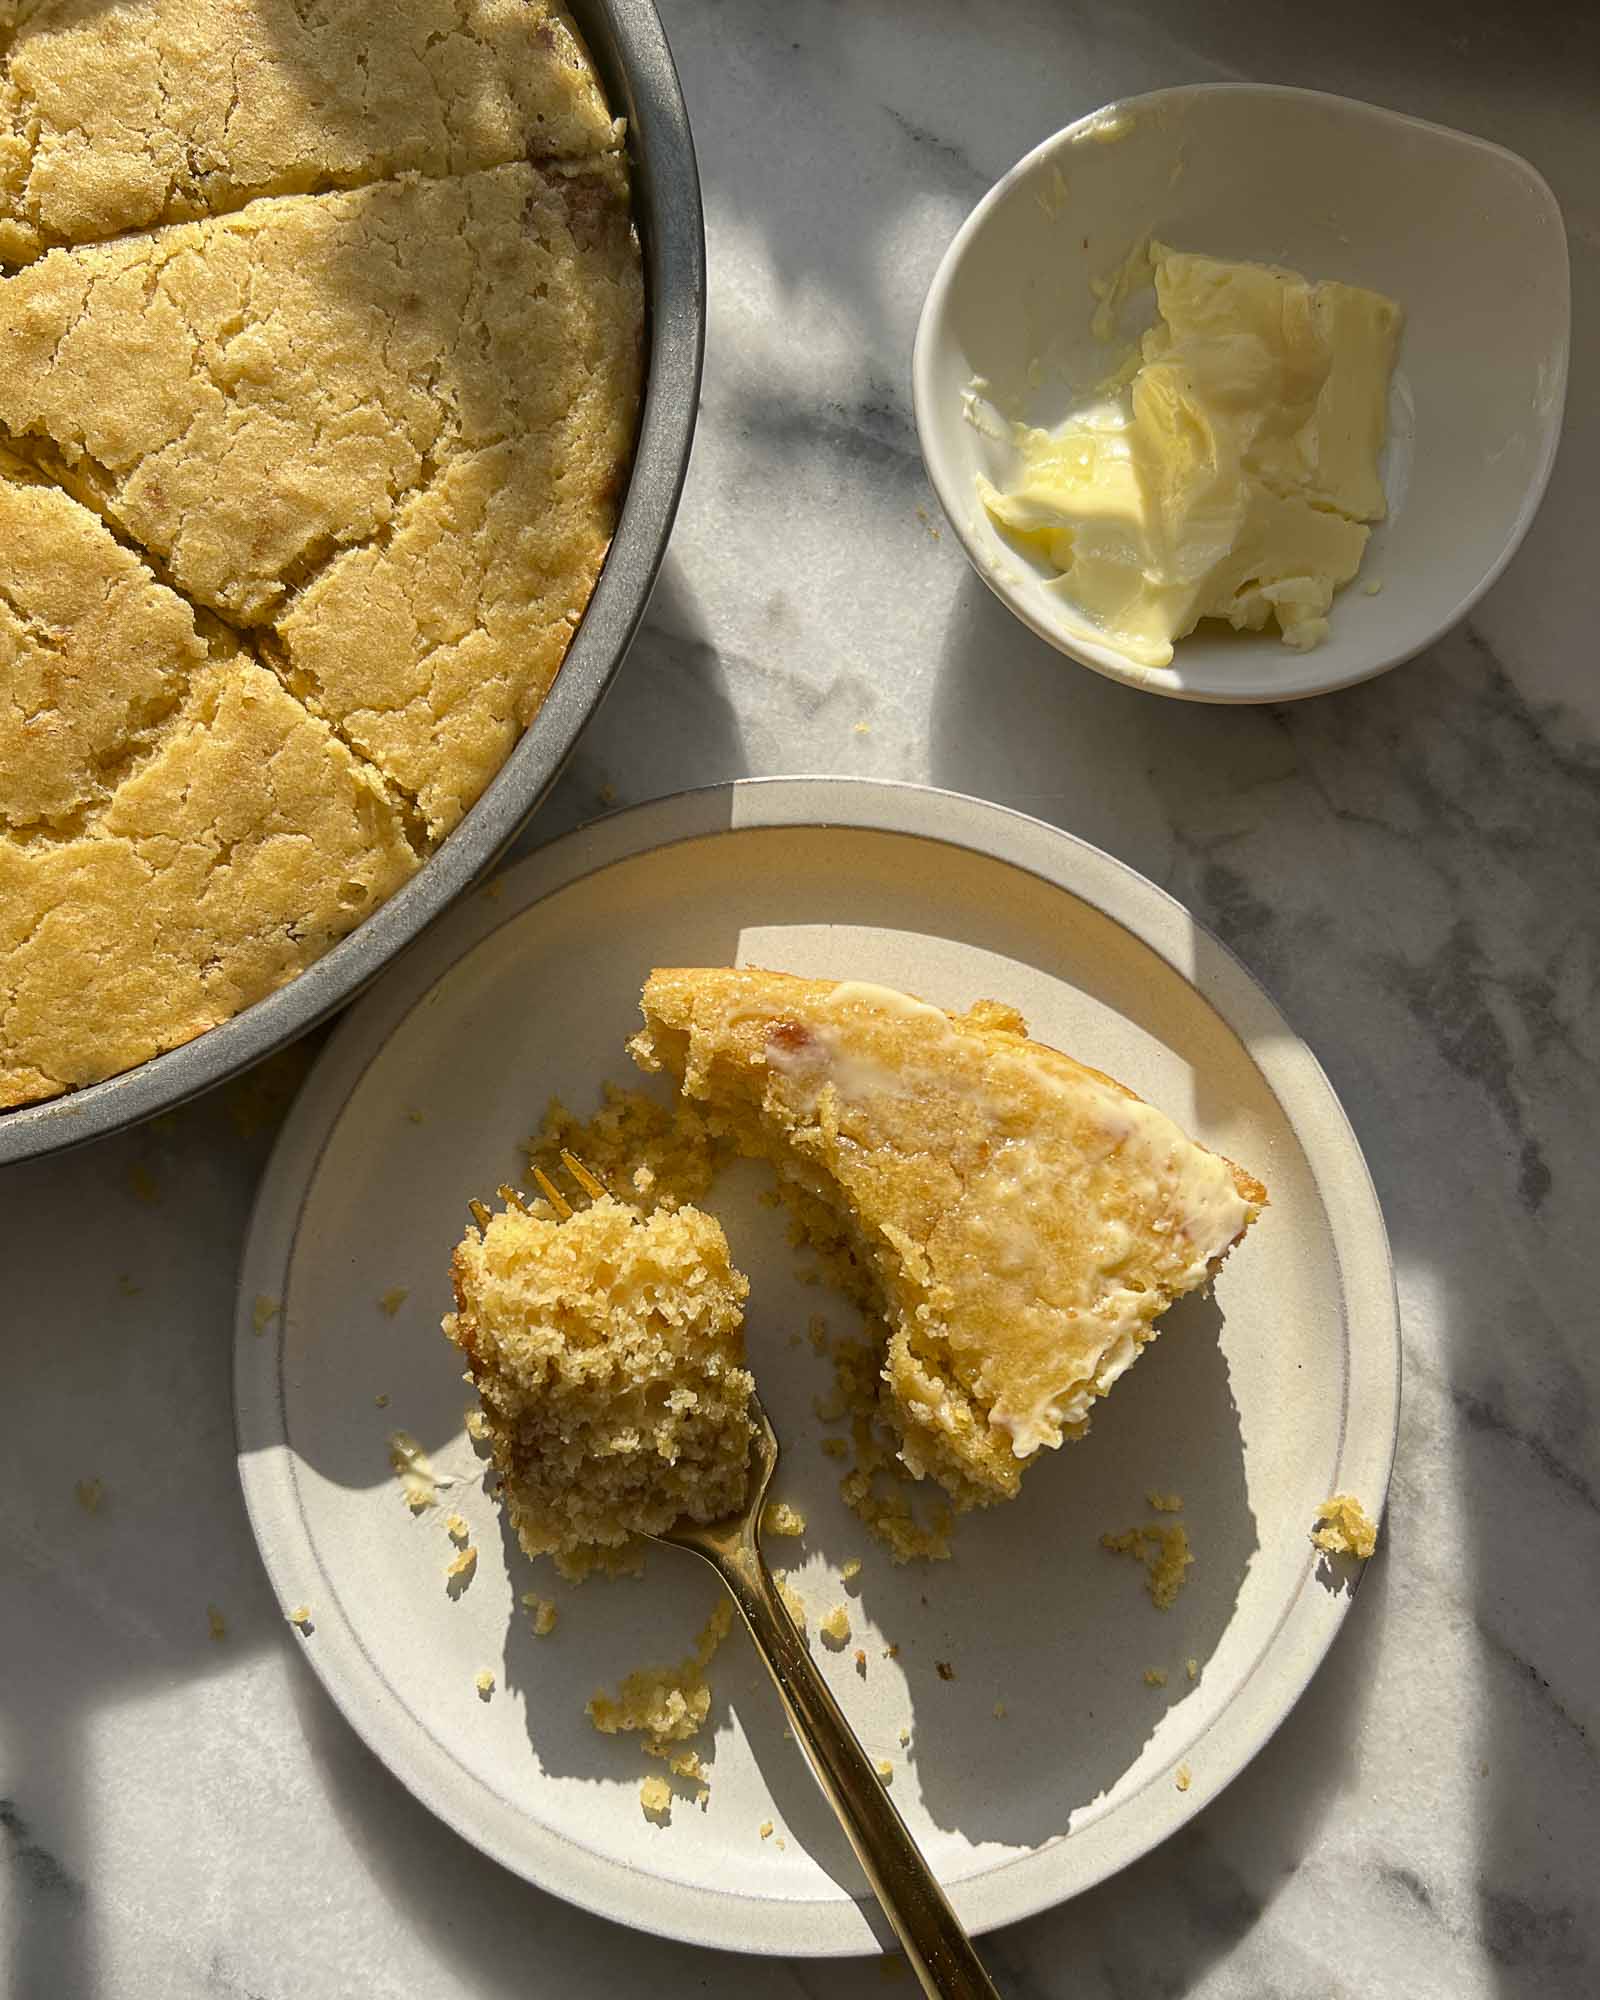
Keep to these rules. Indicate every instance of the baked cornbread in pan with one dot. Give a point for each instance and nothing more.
(1017, 1221)
(353, 437)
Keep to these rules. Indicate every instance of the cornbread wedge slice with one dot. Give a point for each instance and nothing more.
(388, 428)
(95, 656)
(116, 117)
(1022, 1221)
(215, 839)
(608, 1353)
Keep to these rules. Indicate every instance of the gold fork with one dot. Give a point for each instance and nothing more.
(930, 1933)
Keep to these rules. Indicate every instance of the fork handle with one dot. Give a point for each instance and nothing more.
(930, 1933)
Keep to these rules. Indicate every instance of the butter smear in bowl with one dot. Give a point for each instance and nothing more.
(1232, 476)
(1234, 364)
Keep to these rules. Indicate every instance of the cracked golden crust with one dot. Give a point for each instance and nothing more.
(393, 425)
(241, 844)
(119, 117)
(360, 452)
(94, 657)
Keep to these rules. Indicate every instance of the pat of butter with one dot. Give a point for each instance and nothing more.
(1233, 477)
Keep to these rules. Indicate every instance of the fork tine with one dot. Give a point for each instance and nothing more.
(591, 1185)
(512, 1197)
(479, 1213)
(553, 1194)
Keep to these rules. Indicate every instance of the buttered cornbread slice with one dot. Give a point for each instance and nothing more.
(1021, 1220)
(608, 1353)
(116, 117)
(387, 431)
(178, 836)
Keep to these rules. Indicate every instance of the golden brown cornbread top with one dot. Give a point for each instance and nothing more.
(393, 422)
(360, 450)
(246, 396)
(94, 656)
(116, 117)
(1027, 1217)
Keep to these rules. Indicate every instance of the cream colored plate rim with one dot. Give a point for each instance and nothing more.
(1015, 1887)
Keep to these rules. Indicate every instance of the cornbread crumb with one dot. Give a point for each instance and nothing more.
(541, 1611)
(781, 1843)
(90, 1494)
(685, 1764)
(455, 1526)
(664, 1704)
(477, 1426)
(484, 1683)
(1165, 1503)
(655, 1796)
(999, 1711)
(779, 1518)
(1155, 1677)
(393, 1299)
(300, 1617)
(885, 1770)
(793, 1602)
(414, 1117)
(944, 1670)
(892, 1650)
(1192, 1669)
(126, 1286)
(1373, 586)
(217, 1624)
(848, 1572)
(1165, 1553)
(264, 1311)
(460, 1569)
(834, 1626)
(861, 1661)
(834, 1447)
(905, 1738)
(1345, 1529)
(412, 1467)
(1183, 1777)
(765, 1829)
(608, 1352)
(381, 1400)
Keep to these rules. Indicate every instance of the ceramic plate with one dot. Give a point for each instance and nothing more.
(1039, 1758)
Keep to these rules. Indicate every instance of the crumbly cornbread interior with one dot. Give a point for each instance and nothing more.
(1019, 1221)
(608, 1353)
(319, 370)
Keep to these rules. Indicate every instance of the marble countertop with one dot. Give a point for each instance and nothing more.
(1411, 869)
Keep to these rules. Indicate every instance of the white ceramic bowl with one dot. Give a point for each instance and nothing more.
(1466, 236)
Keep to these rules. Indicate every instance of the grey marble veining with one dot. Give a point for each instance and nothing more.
(1410, 867)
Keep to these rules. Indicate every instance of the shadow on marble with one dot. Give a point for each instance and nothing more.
(668, 724)
(104, 1609)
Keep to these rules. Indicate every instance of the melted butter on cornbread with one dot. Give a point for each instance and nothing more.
(1025, 1219)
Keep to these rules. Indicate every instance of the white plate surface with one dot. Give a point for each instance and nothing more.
(1254, 1405)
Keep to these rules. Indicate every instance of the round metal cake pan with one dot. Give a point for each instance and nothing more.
(630, 50)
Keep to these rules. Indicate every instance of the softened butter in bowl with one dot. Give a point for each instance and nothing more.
(1227, 468)
(1036, 299)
